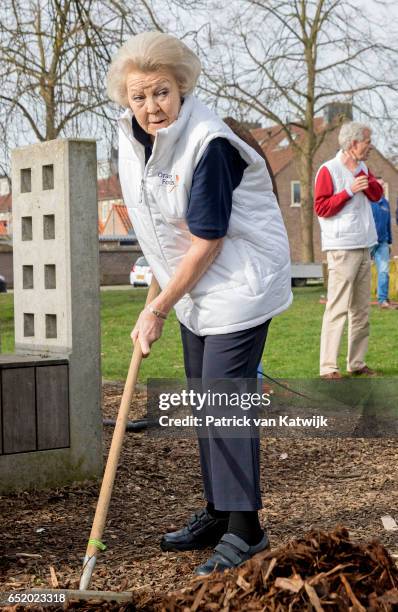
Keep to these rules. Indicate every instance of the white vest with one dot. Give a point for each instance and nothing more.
(249, 282)
(353, 227)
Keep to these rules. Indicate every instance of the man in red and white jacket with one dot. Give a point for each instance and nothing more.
(343, 187)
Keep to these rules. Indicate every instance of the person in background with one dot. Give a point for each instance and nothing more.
(381, 251)
(344, 188)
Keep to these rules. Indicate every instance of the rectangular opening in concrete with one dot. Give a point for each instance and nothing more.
(26, 227)
(19, 411)
(48, 227)
(51, 326)
(28, 325)
(26, 180)
(48, 177)
(27, 277)
(52, 400)
(49, 276)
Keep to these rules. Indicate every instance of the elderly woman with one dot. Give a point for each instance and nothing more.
(203, 209)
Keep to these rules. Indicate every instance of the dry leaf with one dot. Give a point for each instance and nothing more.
(243, 583)
(357, 604)
(294, 584)
(313, 597)
(54, 579)
(199, 597)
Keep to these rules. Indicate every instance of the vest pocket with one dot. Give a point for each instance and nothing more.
(251, 268)
(349, 224)
(225, 273)
(170, 200)
(329, 228)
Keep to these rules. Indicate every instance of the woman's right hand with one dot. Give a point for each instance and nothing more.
(147, 330)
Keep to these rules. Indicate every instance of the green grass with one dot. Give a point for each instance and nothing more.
(292, 349)
(119, 311)
(6, 323)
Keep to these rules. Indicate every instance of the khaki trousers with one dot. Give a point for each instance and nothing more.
(348, 294)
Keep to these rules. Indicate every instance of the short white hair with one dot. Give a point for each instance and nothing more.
(152, 52)
(352, 131)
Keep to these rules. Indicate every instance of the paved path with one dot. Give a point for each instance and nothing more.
(117, 287)
(105, 288)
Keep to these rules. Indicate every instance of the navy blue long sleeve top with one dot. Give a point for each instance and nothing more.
(218, 173)
(382, 217)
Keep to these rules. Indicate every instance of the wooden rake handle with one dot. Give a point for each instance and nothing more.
(108, 480)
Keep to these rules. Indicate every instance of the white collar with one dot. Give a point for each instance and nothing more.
(165, 137)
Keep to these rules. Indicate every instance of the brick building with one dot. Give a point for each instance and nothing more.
(109, 194)
(281, 158)
(5, 207)
(117, 222)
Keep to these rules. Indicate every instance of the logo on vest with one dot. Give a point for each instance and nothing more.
(170, 181)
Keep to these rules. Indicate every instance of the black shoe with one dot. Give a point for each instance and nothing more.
(202, 531)
(231, 552)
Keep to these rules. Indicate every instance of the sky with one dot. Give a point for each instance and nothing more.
(386, 11)
(378, 12)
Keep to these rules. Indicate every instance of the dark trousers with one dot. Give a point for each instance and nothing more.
(230, 466)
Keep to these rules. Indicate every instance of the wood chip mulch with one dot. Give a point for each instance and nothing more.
(321, 571)
(309, 486)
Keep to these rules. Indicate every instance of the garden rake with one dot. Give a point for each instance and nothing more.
(95, 540)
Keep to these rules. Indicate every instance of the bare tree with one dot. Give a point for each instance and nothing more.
(53, 61)
(54, 55)
(285, 60)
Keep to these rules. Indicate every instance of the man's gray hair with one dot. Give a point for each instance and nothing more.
(152, 52)
(352, 131)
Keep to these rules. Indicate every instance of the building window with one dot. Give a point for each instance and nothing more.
(295, 193)
(283, 144)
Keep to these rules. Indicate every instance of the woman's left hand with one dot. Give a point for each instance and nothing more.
(147, 330)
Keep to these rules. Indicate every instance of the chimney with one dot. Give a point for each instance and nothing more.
(337, 110)
(114, 160)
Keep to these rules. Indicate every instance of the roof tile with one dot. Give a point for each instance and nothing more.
(274, 143)
(109, 188)
(121, 210)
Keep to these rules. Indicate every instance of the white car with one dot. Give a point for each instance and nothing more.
(141, 273)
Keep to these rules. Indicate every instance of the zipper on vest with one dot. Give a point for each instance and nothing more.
(141, 191)
(145, 171)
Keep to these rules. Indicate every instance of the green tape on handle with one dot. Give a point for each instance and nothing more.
(98, 544)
